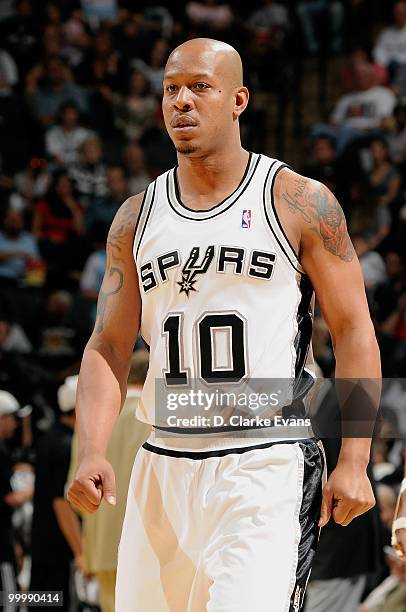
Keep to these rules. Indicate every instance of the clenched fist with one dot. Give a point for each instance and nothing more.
(94, 480)
(347, 494)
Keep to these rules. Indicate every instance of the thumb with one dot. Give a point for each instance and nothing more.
(109, 486)
(326, 507)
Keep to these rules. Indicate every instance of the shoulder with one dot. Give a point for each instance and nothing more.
(124, 223)
(301, 194)
(315, 212)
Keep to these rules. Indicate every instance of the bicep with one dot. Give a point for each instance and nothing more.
(119, 301)
(328, 257)
(339, 288)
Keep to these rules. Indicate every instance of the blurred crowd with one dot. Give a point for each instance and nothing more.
(81, 129)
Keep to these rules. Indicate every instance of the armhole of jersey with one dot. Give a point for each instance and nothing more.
(143, 217)
(273, 220)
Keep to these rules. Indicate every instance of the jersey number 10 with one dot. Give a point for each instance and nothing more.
(203, 329)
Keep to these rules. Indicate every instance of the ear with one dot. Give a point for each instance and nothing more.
(241, 101)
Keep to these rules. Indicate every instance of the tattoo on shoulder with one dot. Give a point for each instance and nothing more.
(320, 210)
(117, 241)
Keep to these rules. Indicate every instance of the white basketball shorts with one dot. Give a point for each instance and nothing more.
(224, 530)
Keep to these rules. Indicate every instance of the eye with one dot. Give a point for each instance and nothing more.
(171, 88)
(200, 86)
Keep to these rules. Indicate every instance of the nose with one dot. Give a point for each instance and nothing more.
(183, 101)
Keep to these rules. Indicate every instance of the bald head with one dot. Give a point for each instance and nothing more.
(203, 96)
(223, 59)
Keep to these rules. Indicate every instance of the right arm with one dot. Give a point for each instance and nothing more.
(102, 384)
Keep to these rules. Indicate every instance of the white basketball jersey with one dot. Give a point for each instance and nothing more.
(224, 297)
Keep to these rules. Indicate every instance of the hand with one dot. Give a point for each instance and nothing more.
(347, 494)
(94, 480)
(80, 565)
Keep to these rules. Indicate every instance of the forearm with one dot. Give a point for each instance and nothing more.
(101, 393)
(358, 386)
(69, 524)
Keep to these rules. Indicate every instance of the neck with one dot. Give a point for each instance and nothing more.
(220, 170)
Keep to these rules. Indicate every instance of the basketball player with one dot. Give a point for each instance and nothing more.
(215, 265)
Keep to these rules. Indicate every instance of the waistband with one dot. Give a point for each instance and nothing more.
(226, 440)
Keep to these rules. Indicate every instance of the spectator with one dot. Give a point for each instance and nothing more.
(33, 181)
(59, 343)
(389, 294)
(273, 16)
(89, 174)
(360, 56)
(362, 110)
(12, 335)
(389, 307)
(135, 112)
(9, 499)
(62, 141)
(20, 36)
(51, 42)
(390, 47)
(102, 68)
(323, 166)
(104, 209)
(101, 531)
(51, 553)
(97, 11)
(384, 178)
(372, 264)
(397, 135)
(367, 217)
(17, 248)
(309, 10)
(93, 272)
(137, 176)
(153, 70)
(212, 16)
(57, 88)
(58, 223)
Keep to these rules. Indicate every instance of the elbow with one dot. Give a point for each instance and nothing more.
(363, 335)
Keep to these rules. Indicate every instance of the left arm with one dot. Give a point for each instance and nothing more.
(328, 257)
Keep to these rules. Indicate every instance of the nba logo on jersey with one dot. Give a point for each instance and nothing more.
(246, 218)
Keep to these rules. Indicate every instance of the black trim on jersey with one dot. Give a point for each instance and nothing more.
(304, 381)
(144, 197)
(270, 224)
(220, 452)
(304, 325)
(146, 220)
(177, 190)
(308, 519)
(217, 205)
(276, 214)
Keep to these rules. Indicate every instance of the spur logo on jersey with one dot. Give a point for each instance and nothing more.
(192, 268)
(246, 218)
(225, 259)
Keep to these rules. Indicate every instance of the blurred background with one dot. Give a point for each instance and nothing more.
(81, 129)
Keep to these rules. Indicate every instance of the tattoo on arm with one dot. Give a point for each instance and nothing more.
(117, 243)
(321, 211)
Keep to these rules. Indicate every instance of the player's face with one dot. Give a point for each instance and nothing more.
(197, 103)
